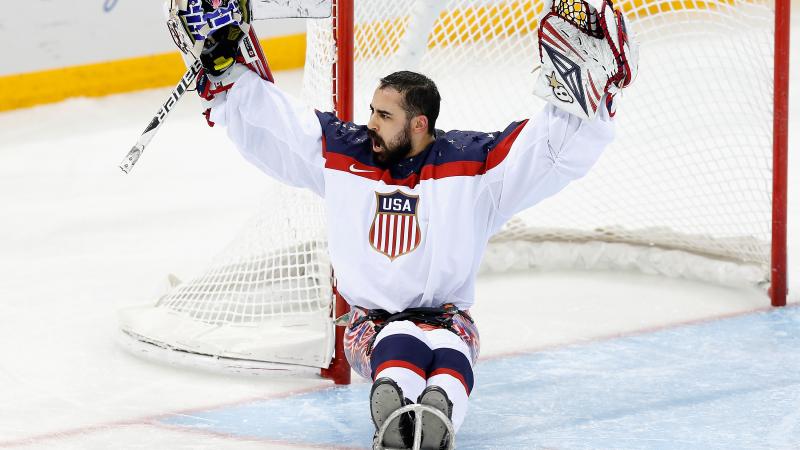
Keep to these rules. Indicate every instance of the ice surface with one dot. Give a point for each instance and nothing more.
(80, 240)
(688, 387)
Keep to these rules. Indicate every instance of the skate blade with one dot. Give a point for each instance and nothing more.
(433, 429)
(384, 401)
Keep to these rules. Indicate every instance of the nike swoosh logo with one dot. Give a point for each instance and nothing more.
(355, 170)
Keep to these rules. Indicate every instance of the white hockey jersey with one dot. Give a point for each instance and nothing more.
(412, 235)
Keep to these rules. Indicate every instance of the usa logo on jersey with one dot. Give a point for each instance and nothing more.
(395, 230)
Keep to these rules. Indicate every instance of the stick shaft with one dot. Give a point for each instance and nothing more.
(136, 152)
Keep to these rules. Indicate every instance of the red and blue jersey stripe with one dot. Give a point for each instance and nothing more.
(453, 153)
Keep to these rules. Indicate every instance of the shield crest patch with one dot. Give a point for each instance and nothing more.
(395, 230)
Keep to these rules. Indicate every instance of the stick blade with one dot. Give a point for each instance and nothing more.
(131, 158)
(283, 9)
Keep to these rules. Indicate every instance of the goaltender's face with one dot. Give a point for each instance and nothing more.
(389, 128)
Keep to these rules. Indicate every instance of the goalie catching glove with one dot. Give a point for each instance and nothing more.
(219, 34)
(586, 54)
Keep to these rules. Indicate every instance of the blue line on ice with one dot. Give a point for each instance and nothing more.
(732, 383)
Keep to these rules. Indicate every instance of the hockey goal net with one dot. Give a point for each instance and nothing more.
(686, 189)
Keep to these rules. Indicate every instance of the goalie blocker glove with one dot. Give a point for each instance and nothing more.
(220, 35)
(586, 53)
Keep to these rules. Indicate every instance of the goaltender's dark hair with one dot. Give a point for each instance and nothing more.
(420, 95)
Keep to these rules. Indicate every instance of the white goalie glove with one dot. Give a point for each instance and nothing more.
(586, 52)
(217, 35)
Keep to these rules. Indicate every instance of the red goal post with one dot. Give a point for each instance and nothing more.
(780, 148)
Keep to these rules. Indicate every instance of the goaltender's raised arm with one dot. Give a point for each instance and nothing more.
(410, 208)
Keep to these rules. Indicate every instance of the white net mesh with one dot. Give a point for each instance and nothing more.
(267, 297)
(274, 268)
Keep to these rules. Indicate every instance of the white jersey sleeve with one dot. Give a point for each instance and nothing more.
(552, 149)
(275, 132)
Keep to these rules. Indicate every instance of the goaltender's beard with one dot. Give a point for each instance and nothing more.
(393, 152)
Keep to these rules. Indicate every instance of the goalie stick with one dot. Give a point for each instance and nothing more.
(136, 152)
(252, 55)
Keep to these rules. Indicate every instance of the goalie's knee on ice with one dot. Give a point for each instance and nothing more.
(401, 345)
(442, 338)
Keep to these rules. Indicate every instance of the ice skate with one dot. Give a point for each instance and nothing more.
(385, 398)
(435, 434)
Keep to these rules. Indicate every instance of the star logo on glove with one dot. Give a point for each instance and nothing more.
(570, 73)
(559, 90)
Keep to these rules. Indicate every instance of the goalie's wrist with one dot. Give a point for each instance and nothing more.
(215, 111)
(213, 90)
